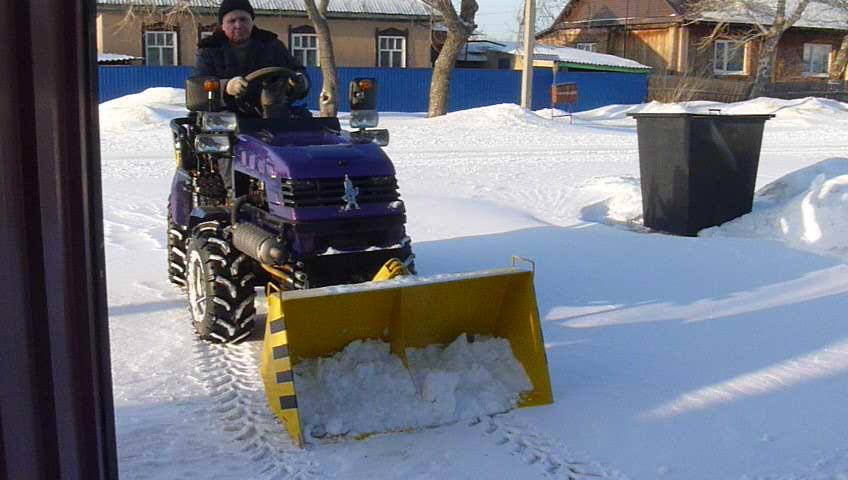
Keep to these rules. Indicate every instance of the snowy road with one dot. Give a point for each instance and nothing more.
(722, 356)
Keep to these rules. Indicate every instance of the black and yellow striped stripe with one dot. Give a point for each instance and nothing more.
(277, 371)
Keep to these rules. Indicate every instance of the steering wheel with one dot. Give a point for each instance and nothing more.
(274, 79)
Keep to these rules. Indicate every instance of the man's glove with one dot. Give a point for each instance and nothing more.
(298, 86)
(236, 86)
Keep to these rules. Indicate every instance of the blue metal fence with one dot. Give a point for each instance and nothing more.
(407, 90)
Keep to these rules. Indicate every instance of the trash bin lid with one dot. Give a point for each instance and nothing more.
(752, 116)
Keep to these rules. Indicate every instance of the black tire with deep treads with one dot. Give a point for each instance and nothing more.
(176, 244)
(220, 286)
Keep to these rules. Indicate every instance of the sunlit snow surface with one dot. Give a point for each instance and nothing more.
(716, 357)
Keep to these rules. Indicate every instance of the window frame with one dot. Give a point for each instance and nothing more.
(380, 50)
(806, 64)
(174, 34)
(592, 46)
(728, 46)
(297, 37)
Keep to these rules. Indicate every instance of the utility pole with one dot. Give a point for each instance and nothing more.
(529, 44)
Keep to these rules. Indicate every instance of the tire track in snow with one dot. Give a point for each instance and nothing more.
(230, 374)
(552, 458)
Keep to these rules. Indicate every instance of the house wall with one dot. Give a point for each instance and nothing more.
(649, 32)
(354, 40)
(617, 10)
(646, 31)
(788, 66)
(789, 63)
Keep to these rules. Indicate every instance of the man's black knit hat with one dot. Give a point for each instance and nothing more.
(228, 6)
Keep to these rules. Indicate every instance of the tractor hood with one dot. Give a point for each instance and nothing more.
(309, 155)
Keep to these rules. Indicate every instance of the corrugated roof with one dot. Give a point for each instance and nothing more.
(373, 7)
(570, 55)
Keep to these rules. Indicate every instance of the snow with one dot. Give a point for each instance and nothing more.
(366, 389)
(719, 356)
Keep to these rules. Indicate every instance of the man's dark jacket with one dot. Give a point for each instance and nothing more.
(216, 58)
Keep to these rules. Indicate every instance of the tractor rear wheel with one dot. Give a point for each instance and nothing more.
(220, 286)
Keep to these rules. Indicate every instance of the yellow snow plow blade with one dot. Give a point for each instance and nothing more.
(406, 313)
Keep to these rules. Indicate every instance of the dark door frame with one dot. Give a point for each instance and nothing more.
(56, 411)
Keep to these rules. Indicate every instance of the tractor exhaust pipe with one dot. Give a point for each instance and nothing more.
(258, 244)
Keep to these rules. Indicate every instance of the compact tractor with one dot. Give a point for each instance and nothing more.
(265, 195)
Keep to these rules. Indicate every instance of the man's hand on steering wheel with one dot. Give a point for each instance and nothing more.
(247, 99)
(236, 86)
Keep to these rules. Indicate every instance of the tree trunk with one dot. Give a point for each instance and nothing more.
(837, 70)
(765, 66)
(442, 70)
(328, 101)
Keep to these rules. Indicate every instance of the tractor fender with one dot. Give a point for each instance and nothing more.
(179, 201)
(207, 214)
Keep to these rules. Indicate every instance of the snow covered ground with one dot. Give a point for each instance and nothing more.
(718, 357)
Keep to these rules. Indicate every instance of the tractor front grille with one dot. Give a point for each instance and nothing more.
(328, 192)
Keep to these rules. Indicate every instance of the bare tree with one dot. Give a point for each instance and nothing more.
(837, 68)
(329, 99)
(168, 16)
(547, 11)
(460, 27)
(769, 21)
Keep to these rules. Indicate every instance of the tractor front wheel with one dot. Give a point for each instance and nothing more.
(220, 286)
(176, 253)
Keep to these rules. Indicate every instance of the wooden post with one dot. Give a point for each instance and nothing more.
(529, 45)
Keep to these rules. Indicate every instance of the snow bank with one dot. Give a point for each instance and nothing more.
(622, 203)
(504, 115)
(154, 107)
(807, 209)
(365, 389)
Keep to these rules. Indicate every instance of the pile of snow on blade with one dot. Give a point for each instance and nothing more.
(807, 209)
(365, 389)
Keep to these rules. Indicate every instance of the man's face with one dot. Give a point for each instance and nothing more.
(237, 26)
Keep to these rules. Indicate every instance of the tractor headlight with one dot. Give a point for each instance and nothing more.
(219, 122)
(364, 118)
(212, 143)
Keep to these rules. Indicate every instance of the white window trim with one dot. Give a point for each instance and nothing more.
(402, 50)
(587, 46)
(730, 43)
(305, 35)
(829, 58)
(173, 46)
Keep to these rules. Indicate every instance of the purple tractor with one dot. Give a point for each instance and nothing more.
(268, 193)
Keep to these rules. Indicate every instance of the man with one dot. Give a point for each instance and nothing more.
(238, 48)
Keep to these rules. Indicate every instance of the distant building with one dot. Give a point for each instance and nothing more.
(659, 33)
(393, 34)
(501, 55)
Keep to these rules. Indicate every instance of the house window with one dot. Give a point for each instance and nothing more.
(816, 60)
(588, 46)
(160, 48)
(391, 51)
(729, 57)
(305, 48)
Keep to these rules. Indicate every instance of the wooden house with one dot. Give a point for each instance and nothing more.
(661, 34)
